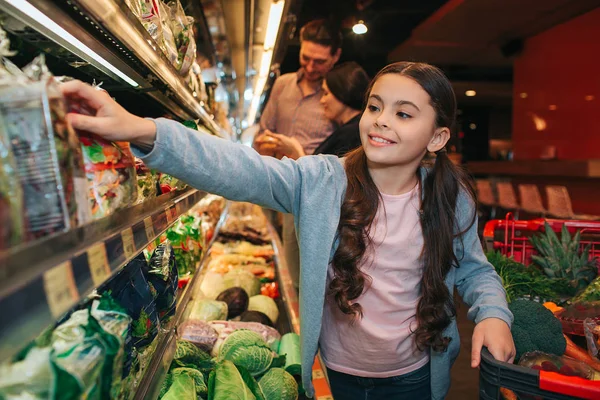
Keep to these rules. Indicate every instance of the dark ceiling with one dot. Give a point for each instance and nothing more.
(390, 22)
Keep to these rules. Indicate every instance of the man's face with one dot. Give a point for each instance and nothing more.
(316, 60)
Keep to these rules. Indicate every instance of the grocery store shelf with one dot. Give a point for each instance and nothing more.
(106, 34)
(41, 281)
(165, 350)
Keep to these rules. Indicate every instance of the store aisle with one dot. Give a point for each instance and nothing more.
(465, 380)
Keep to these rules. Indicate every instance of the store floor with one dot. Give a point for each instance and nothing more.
(465, 380)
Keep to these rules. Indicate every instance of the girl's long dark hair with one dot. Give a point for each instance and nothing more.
(441, 188)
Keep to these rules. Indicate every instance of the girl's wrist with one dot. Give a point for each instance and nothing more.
(145, 133)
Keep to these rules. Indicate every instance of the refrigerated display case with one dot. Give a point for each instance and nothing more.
(50, 282)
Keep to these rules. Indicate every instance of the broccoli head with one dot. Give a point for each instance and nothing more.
(536, 328)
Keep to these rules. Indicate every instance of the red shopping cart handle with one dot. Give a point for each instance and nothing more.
(546, 381)
(569, 385)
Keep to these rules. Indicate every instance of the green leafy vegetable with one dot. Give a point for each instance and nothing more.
(266, 305)
(189, 355)
(521, 281)
(277, 384)
(227, 383)
(562, 258)
(247, 349)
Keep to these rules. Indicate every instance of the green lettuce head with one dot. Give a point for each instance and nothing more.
(247, 349)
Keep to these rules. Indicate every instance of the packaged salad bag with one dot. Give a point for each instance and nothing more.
(43, 163)
(109, 169)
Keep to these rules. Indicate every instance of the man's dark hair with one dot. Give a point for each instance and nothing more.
(322, 32)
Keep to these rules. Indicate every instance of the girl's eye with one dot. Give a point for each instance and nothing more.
(403, 115)
(373, 108)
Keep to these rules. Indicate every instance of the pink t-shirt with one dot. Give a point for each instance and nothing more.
(381, 345)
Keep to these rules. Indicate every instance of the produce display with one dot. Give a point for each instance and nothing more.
(232, 324)
(549, 337)
(102, 348)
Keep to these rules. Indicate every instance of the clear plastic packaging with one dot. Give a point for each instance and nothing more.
(46, 155)
(184, 37)
(147, 180)
(110, 171)
(560, 364)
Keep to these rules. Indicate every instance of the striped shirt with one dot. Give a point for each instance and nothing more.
(289, 112)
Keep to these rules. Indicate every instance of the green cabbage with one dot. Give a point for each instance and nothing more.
(242, 278)
(277, 384)
(185, 384)
(265, 305)
(188, 355)
(208, 310)
(227, 382)
(247, 349)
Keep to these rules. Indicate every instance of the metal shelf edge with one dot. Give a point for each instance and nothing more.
(37, 296)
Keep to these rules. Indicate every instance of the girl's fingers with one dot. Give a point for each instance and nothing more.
(476, 346)
(93, 97)
(89, 124)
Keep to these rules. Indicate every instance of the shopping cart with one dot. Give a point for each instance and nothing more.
(511, 238)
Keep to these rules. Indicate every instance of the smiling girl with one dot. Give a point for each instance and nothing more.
(384, 241)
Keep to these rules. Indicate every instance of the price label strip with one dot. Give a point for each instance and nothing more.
(98, 262)
(149, 225)
(179, 208)
(169, 213)
(60, 288)
(128, 243)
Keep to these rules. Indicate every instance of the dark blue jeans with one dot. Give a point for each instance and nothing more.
(415, 385)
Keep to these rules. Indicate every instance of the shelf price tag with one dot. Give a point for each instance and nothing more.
(324, 398)
(149, 225)
(169, 213)
(128, 243)
(60, 288)
(179, 208)
(98, 262)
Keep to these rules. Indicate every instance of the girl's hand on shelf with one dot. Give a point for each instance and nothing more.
(110, 121)
(494, 334)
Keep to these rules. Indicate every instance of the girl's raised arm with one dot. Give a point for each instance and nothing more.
(207, 163)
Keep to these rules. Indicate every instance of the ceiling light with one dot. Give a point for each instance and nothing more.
(552, 107)
(472, 126)
(523, 95)
(65, 39)
(275, 15)
(470, 93)
(589, 97)
(360, 28)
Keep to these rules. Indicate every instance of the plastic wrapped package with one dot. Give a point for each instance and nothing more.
(186, 238)
(169, 183)
(130, 289)
(149, 13)
(110, 322)
(199, 333)
(560, 364)
(147, 180)
(161, 273)
(11, 195)
(184, 37)
(225, 328)
(110, 171)
(47, 158)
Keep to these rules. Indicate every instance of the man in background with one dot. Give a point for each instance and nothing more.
(294, 110)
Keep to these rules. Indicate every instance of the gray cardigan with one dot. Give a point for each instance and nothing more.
(312, 189)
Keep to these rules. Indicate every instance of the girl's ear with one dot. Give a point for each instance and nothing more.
(439, 139)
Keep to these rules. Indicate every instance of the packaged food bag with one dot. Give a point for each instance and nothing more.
(110, 171)
(147, 180)
(45, 151)
(161, 273)
(182, 27)
(130, 289)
